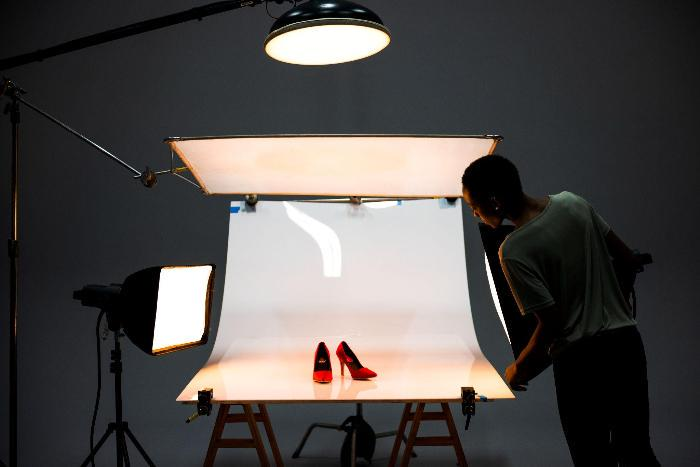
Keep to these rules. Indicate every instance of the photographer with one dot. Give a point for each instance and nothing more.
(557, 263)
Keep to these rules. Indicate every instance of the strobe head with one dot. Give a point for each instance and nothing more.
(161, 309)
(104, 297)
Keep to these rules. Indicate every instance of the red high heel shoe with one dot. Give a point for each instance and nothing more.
(323, 373)
(348, 358)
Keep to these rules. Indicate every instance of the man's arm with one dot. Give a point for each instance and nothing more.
(625, 262)
(534, 358)
(619, 250)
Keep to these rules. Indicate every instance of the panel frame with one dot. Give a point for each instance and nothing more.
(173, 141)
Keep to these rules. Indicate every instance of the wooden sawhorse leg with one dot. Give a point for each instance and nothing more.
(251, 418)
(416, 418)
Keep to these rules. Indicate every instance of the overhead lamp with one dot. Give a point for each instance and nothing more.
(317, 32)
(162, 309)
(325, 32)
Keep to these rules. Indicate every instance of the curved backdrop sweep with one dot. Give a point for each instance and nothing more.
(389, 278)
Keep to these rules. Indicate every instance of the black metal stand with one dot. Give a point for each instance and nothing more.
(13, 252)
(120, 428)
(196, 13)
(148, 177)
(360, 434)
(14, 92)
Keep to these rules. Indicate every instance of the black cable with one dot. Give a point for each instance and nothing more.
(99, 388)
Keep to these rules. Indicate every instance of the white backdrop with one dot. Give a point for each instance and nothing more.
(388, 278)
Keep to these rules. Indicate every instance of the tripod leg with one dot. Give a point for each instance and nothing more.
(457, 444)
(405, 441)
(413, 434)
(138, 447)
(400, 434)
(297, 453)
(353, 448)
(257, 439)
(270, 435)
(122, 453)
(110, 429)
(386, 434)
(216, 435)
(127, 461)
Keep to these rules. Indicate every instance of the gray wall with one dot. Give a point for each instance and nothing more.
(598, 97)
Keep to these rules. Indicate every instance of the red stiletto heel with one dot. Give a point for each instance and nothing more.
(348, 358)
(323, 373)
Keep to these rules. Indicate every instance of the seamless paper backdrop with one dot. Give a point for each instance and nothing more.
(389, 278)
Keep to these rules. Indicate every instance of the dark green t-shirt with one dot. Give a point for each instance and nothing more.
(561, 257)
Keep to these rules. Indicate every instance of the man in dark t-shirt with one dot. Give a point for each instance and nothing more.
(557, 263)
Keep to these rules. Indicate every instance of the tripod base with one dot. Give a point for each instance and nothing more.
(119, 429)
(360, 438)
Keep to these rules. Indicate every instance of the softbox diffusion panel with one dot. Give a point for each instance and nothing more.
(519, 328)
(389, 278)
(396, 166)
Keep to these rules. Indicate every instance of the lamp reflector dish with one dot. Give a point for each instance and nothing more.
(326, 42)
(182, 307)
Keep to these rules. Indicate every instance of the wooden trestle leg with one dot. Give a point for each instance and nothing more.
(251, 418)
(416, 418)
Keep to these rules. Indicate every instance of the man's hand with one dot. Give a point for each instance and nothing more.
(535, 357)
(514, 380)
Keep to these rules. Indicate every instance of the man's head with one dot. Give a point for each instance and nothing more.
(491, 188)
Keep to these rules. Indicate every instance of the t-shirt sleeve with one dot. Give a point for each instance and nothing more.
(599, 222)
(530, 292)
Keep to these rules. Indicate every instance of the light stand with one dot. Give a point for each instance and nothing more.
(161, 309)
(13, 252)
(125, 31)
(147, 177)
(119, 428)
